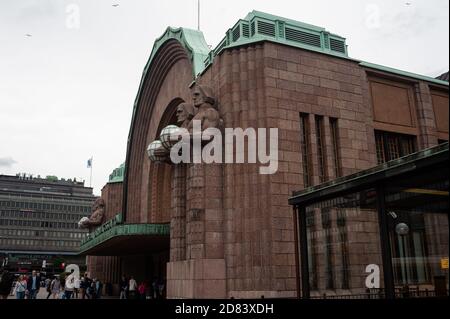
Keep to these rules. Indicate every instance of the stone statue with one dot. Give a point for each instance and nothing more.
(204, 103)
(97, 217)
(185, 114)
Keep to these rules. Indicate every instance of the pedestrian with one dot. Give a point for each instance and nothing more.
(93, 289)
(132, 287)
(98, 288)
(6, 282)
(161, 288)
(33, 285)
(142, 288)
(77, 285)
(123, 287)
(154, 288)
(85, 286)
(48, 288)
(20, 287)
(69, 286)
(55, 287)
(148, 290)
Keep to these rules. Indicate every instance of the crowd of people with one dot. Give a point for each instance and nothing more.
(69, 286)
(23, 287)
(64, 286)
(130, 289)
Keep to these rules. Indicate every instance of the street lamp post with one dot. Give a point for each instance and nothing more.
(402, 230)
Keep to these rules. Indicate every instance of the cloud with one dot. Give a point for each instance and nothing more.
(7, 162)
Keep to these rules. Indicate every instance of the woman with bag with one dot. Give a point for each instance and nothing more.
(55, 287)
(20, 288)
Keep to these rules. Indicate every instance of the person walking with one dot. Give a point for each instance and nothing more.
(21, 287)
(142, 289)
(91, 289)
(69, 286)
(33, 285)
(123, 287)
(98, 286)
(132, 287)
(76, 289)
(161, 289)
(48, 288)
(154, 288)
(55, 287)
(88, 287)
(6, 282)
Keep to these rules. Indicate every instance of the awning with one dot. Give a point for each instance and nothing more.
(392, 170)
(115, 239)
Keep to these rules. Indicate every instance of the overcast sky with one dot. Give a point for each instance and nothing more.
(67, 85)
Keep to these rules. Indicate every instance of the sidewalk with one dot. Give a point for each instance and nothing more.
(43, 295)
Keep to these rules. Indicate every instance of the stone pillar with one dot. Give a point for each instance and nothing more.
(201, 274)
(178, 218)
(426, 117)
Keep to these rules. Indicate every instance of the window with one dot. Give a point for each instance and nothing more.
(321, 154)
(391, 146)
(328, 249)
(305, 148)
(335, 147)
(312, 251)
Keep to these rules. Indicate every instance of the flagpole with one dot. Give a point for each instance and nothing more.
(90, 181)
(198, 15)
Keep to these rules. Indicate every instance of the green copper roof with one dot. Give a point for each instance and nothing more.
(268, 16)
(196, 48)
(115, 228)
(402, 73)
(259, 26)
(193, 41)
(117, 175)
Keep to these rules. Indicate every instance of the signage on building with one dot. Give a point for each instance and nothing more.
(444, 263)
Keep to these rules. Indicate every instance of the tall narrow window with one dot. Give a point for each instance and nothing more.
(343, 239)
(321, 154)
(312, 262)
(306, 149)
(328, 249)
(391, 146)
(380, 148)
(335, 145)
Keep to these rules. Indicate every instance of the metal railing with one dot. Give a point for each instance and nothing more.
(400, 293)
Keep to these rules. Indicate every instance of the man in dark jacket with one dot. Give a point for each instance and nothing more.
(33, 285)
(6, 281)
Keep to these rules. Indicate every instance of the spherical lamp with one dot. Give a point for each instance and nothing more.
(156, 152)
(169, 136)
(402, 229)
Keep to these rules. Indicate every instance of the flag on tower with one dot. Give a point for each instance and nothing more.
(89, 163)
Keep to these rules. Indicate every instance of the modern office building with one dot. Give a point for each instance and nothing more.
(38, 222)
(225, 230)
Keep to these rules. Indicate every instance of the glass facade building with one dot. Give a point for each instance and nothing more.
(381, 233)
